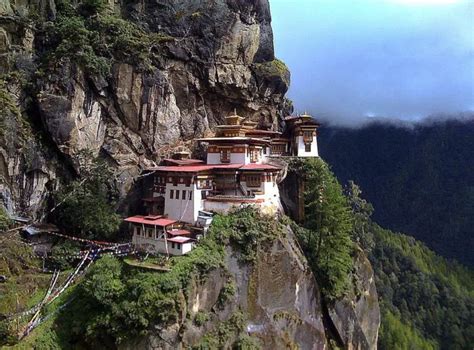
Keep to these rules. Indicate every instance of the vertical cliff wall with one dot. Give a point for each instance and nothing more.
(204, 60)
(277, 302)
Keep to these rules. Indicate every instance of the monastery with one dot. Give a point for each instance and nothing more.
(240, 169)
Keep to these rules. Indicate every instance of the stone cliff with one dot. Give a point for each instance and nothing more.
(277, 302)
(210, 58)
(207, 59)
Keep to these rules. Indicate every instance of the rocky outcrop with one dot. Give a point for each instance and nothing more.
(279, 300)
(277, 295)
(356, 317)
(218, 57)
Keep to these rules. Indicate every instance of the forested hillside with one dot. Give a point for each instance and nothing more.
(419, 178)
(426, 301)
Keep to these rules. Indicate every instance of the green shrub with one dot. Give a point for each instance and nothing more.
(64, 255)
(226, 333)
(5, 221)
(201, 318)
(14, 130)
(246, 342)
(92, 7)
(246, 229)
(226, 293)
(271, 69)
(94, 40)
(86, 206)
(48, 340)
(75, 42)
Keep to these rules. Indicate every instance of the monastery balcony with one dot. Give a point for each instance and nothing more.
(233, 198)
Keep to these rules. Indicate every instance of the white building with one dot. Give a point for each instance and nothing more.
(303, 135)
(236, 173)
(159, 235)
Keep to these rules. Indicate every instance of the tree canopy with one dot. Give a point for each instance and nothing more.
(326, 233)
(85, 207)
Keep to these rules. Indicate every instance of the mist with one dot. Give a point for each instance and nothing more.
(351, 61)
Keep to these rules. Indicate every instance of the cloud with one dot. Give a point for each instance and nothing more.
(353, 59)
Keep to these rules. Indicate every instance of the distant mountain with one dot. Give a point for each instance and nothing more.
(420, 179)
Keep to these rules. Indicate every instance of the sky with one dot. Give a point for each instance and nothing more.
(356, 59)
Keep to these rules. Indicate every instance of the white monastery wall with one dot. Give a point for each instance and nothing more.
(239, 158)
(182, 209)
(159, 245)
(213, 158)
(301, 149)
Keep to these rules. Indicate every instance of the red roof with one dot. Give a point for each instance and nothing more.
(183, 161)
(259, 167)
(179, 232)
(205, 167)
(150, 220)
(195, 168)
(184, 168)
(228, 166)
(179, 239)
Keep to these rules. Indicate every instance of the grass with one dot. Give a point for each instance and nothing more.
(146, 264)
(44, 336)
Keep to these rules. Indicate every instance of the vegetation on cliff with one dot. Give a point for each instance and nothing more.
(89, 35)
(85, 207)
(275, 69)
(116, 302)
(14, 129)
(4, 219)
(426, 301)
(326, 233)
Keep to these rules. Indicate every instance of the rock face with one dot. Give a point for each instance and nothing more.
(281, 304)
(277, 294)
(357, 316)
(220, 57)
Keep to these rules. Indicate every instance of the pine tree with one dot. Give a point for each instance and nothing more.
(328, 226)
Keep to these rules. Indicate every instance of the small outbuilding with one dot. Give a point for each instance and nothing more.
(158, 234)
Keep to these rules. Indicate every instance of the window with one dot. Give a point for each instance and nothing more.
(225, 155)
(254, 155)
(171, 194)
(278, 149)
(184, 195)
(178, 245)
(307, 147)
(177, 194)
(190, 195)
(138, 230)
(253, 180)
(172, 245)
(204, 194)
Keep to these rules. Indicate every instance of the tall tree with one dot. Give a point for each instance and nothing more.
(86, 206)
(328, 226)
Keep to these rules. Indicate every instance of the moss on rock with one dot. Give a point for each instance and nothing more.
(273, 70)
